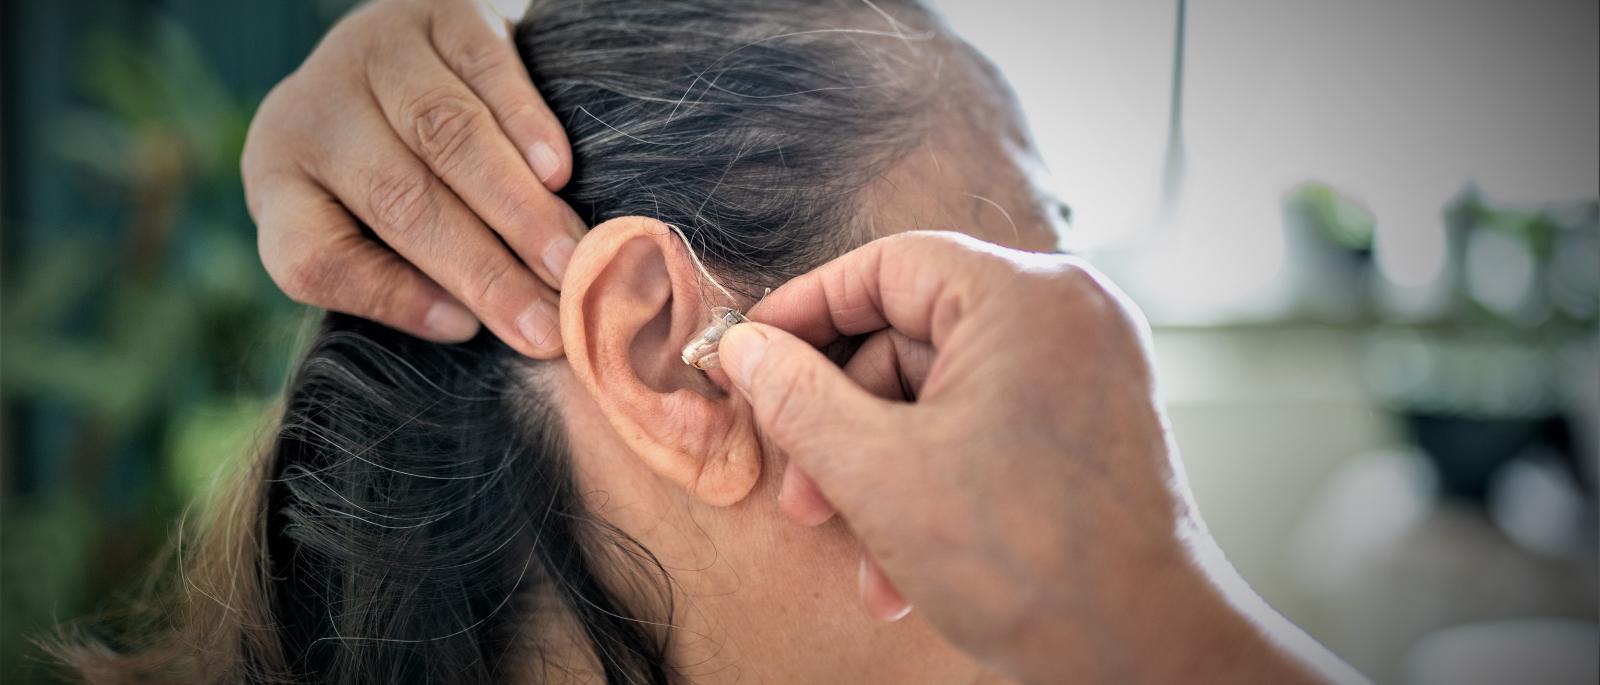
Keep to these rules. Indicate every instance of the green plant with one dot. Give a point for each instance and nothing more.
(142, 352)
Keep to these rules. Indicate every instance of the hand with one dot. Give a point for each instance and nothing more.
(416, 120)
(1028, 501)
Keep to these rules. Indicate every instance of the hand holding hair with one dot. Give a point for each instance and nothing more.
(406, 174)
(1029, 501)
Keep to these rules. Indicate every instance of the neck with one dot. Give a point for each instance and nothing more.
(754, 597)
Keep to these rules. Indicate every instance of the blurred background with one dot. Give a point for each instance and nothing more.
(1367, 234)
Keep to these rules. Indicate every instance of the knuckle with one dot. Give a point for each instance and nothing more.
(1079, 285)
(305, 280)
(278, 104)
(279, 266)
(1076, 274)
(487, 278)
(250, 160)
(519, 208)
(474, 60)
(401, 203)
(380, 301)
(268, 152)
(521, 112)
(276, 267)
(444, 123)
(254, 181)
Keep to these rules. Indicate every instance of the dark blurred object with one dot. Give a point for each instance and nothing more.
(1528, 270)
(1495, 368)
(1469, 452)
(1494, 376)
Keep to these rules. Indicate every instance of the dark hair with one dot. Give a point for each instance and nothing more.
(415, 507)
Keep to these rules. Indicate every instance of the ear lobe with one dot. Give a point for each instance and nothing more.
(632, 296)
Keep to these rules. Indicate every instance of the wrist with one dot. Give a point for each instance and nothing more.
(1173, 623)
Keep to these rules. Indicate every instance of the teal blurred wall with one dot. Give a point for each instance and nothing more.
(140, 341)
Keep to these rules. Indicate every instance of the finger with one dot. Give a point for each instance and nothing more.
(802, 403)
(879, 597)
(801, 500)
(916, 282)
(316, 253)
(472, 39)
(889, 365)
(395, 195)
(449, 128)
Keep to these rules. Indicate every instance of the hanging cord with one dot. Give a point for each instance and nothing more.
(1172, 173)
(701, 351)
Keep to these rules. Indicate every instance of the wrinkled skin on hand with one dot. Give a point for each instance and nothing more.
(416, 121)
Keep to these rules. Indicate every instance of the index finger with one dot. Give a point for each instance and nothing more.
(918, 283)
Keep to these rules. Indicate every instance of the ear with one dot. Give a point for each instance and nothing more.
(631, 298)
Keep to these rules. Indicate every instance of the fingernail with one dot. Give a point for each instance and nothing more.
(451, 321)
(544, 160)
(749, 345)
(865, 576)
(794, 495)
(556, 256)
(539, 324)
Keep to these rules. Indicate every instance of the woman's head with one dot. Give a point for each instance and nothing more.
(462, 514)
(764, 129)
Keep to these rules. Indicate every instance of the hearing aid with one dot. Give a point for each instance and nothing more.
(701, 351)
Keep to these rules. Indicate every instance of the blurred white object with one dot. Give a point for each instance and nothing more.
(1536, 503)
(1401, 104)
(1545, 651)
(1366, 509)
(1501, 273)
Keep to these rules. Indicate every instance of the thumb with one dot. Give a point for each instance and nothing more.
(803, 403)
